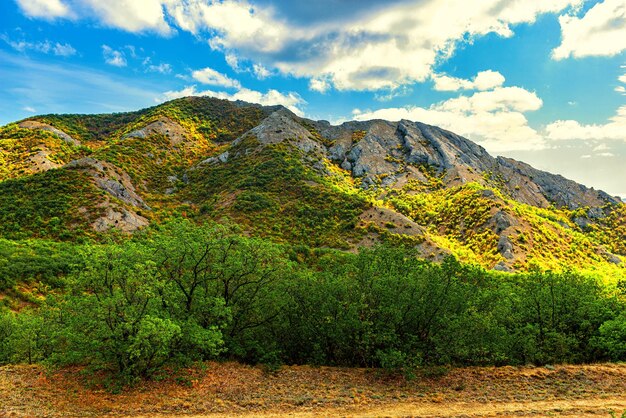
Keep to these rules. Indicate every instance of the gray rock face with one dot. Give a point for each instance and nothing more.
(445, 150)
(162, 126)
(367, 157)
(281, 126)
(502, 221)
(539, 188)
(33, 124)
(122, 219)
(505, 247)
(113, 181)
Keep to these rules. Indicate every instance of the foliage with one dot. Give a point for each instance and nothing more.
(46, 205)
(180, 293)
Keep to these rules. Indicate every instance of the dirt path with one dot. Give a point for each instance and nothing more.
(231, 390)
(565, 408)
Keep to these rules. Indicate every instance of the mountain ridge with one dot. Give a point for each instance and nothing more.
(298, 180)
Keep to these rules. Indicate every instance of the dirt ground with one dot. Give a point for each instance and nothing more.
(234, 390)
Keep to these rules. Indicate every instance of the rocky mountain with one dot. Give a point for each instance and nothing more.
(300, 181)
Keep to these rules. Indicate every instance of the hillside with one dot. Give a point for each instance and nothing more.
(289, 179)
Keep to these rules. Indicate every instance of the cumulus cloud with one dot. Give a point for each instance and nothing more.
(484, 80)
(131, 16)
(290, 100)
(113, 57)
(376, 47)
(44, 9)
(214, 78)
(494, 118)
(614, 129)
(600, 32)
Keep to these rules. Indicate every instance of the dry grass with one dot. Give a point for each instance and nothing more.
(230, 389)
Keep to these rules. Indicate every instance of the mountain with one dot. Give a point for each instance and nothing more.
(305, 182)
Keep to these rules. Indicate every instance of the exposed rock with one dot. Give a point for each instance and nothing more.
(281, 126)
(40, 162)
(121, 219)
(501, 266)
(33, 124)
(502, 221)
(582, 222)
(505, 247)
(440, 148)
(367, 156)
(110, 179)
(210, 161)
(539, 188)
(608, 256)
(162, 126)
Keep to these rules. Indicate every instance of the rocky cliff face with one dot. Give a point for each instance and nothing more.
(387, 154)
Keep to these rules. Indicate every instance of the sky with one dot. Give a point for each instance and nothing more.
(540, 81)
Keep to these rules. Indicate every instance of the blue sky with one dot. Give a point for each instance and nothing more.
(541, 81)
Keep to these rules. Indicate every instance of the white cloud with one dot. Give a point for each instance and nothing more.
(162, 68)
(484, 80)
(382, 48)
(45, 47)
(29, 109)
(63, 50)
(494, 118)
(290, 100)
(214, 78)
(614, 129)
(321, 85)
(44, 9)
(393, 93)
(233, 62)
(261, 72)
(621, 79)
(585, 156)
(600, 32)
(129, 15)
(113, 57)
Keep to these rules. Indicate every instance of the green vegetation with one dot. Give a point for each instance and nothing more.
(48, 205)
(180, 293)
(271, 192)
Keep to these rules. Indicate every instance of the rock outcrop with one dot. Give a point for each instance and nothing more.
(121, 219)
(111, 179)
(282, 126)
(33, 124)
(539, 188)
(162, 126)
(385, 153)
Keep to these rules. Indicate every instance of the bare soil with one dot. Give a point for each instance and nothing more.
(235, 390)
